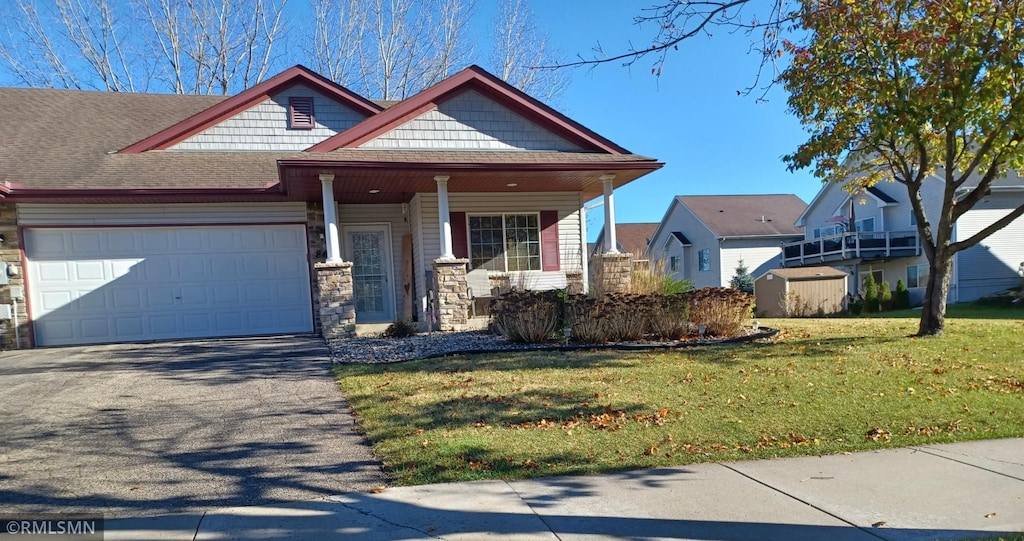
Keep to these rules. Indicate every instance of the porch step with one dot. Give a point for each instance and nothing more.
(371, 329)
(375, 329)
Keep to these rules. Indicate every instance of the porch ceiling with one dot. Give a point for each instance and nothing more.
(397, 183)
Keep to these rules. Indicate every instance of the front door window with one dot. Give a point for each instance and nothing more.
(368, 247)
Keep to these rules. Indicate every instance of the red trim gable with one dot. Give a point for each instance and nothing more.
(476, 78)
(239, 102)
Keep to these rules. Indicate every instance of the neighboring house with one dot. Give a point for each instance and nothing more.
(295, 206)
(703, 237)
(629, 239)
(875, 232)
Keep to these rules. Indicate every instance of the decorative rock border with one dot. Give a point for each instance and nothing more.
(435, 345)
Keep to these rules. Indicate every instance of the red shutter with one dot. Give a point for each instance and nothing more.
(460, 241)
(300, 113)
(549, 239)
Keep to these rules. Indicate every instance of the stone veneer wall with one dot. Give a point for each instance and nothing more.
(10, 253)
(452, 294)
(574, 282)
(614, 273)
(317, 252)
(501, 282)
(337, 302)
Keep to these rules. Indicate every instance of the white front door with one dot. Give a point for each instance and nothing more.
(368, 247)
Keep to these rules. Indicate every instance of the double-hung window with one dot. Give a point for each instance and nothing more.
(505, 242)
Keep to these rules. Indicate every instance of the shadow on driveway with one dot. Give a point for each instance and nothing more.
(147, 429)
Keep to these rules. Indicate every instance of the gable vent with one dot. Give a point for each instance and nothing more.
(300, 113)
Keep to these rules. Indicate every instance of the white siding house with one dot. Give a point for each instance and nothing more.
(295, 206)
(884, 238)
(702, 238)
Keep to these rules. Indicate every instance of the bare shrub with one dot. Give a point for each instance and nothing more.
(721, 310)
(526, 316)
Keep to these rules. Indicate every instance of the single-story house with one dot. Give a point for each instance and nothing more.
(702, 238)
(296, 206)
(874, 231)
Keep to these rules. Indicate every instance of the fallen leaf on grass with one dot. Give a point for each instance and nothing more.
(876, 434)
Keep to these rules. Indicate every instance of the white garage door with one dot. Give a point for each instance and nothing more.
(95, 285)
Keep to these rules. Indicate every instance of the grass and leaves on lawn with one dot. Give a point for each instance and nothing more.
(823, 386)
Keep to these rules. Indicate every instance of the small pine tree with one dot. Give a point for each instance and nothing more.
(901, 301)
(742, 280)
(870, 294)
(884, 297)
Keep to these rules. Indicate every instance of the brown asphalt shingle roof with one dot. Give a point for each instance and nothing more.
(632, 238)
(741, 215)
(52, 139)
(806, 273)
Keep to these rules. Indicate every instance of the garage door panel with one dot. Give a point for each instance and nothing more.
(95, 328)
(256, 266)
(122, 242)
(163, 325)
(55, 331)
(91, 301)
(85, 243)
(129, 326)
(160, 296)
(53, 271)
(167, 282)
(90, 270)
(53, 300)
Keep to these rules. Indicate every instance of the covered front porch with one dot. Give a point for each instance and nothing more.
(399, 241)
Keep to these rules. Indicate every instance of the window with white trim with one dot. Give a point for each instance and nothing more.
(917, 276)
(673, 263)
(704, 259)
(505, 242)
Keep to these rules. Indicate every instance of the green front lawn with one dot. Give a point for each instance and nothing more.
(825, 386)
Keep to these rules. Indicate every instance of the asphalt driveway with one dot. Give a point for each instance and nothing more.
(141, 430)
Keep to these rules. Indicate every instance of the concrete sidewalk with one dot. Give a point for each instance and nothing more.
(958, 491)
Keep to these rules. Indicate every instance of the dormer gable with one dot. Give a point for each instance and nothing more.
(260, 118)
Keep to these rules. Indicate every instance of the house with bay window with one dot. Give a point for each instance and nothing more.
(296, 206)
(874, 231)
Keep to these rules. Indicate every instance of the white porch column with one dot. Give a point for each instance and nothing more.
(610, 242)
(330, 218)
(444, 218)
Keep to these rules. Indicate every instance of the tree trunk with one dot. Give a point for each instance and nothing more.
(933, 314)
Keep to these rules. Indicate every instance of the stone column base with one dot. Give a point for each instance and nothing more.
(337, 302)
(614, 273)
(451, 294)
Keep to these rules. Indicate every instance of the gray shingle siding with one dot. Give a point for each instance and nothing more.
(471, 121)
(264, 127)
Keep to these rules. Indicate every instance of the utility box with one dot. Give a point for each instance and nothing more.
(6, 311)
(4, 278)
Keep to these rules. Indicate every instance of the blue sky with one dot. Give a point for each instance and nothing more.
(711, 140)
